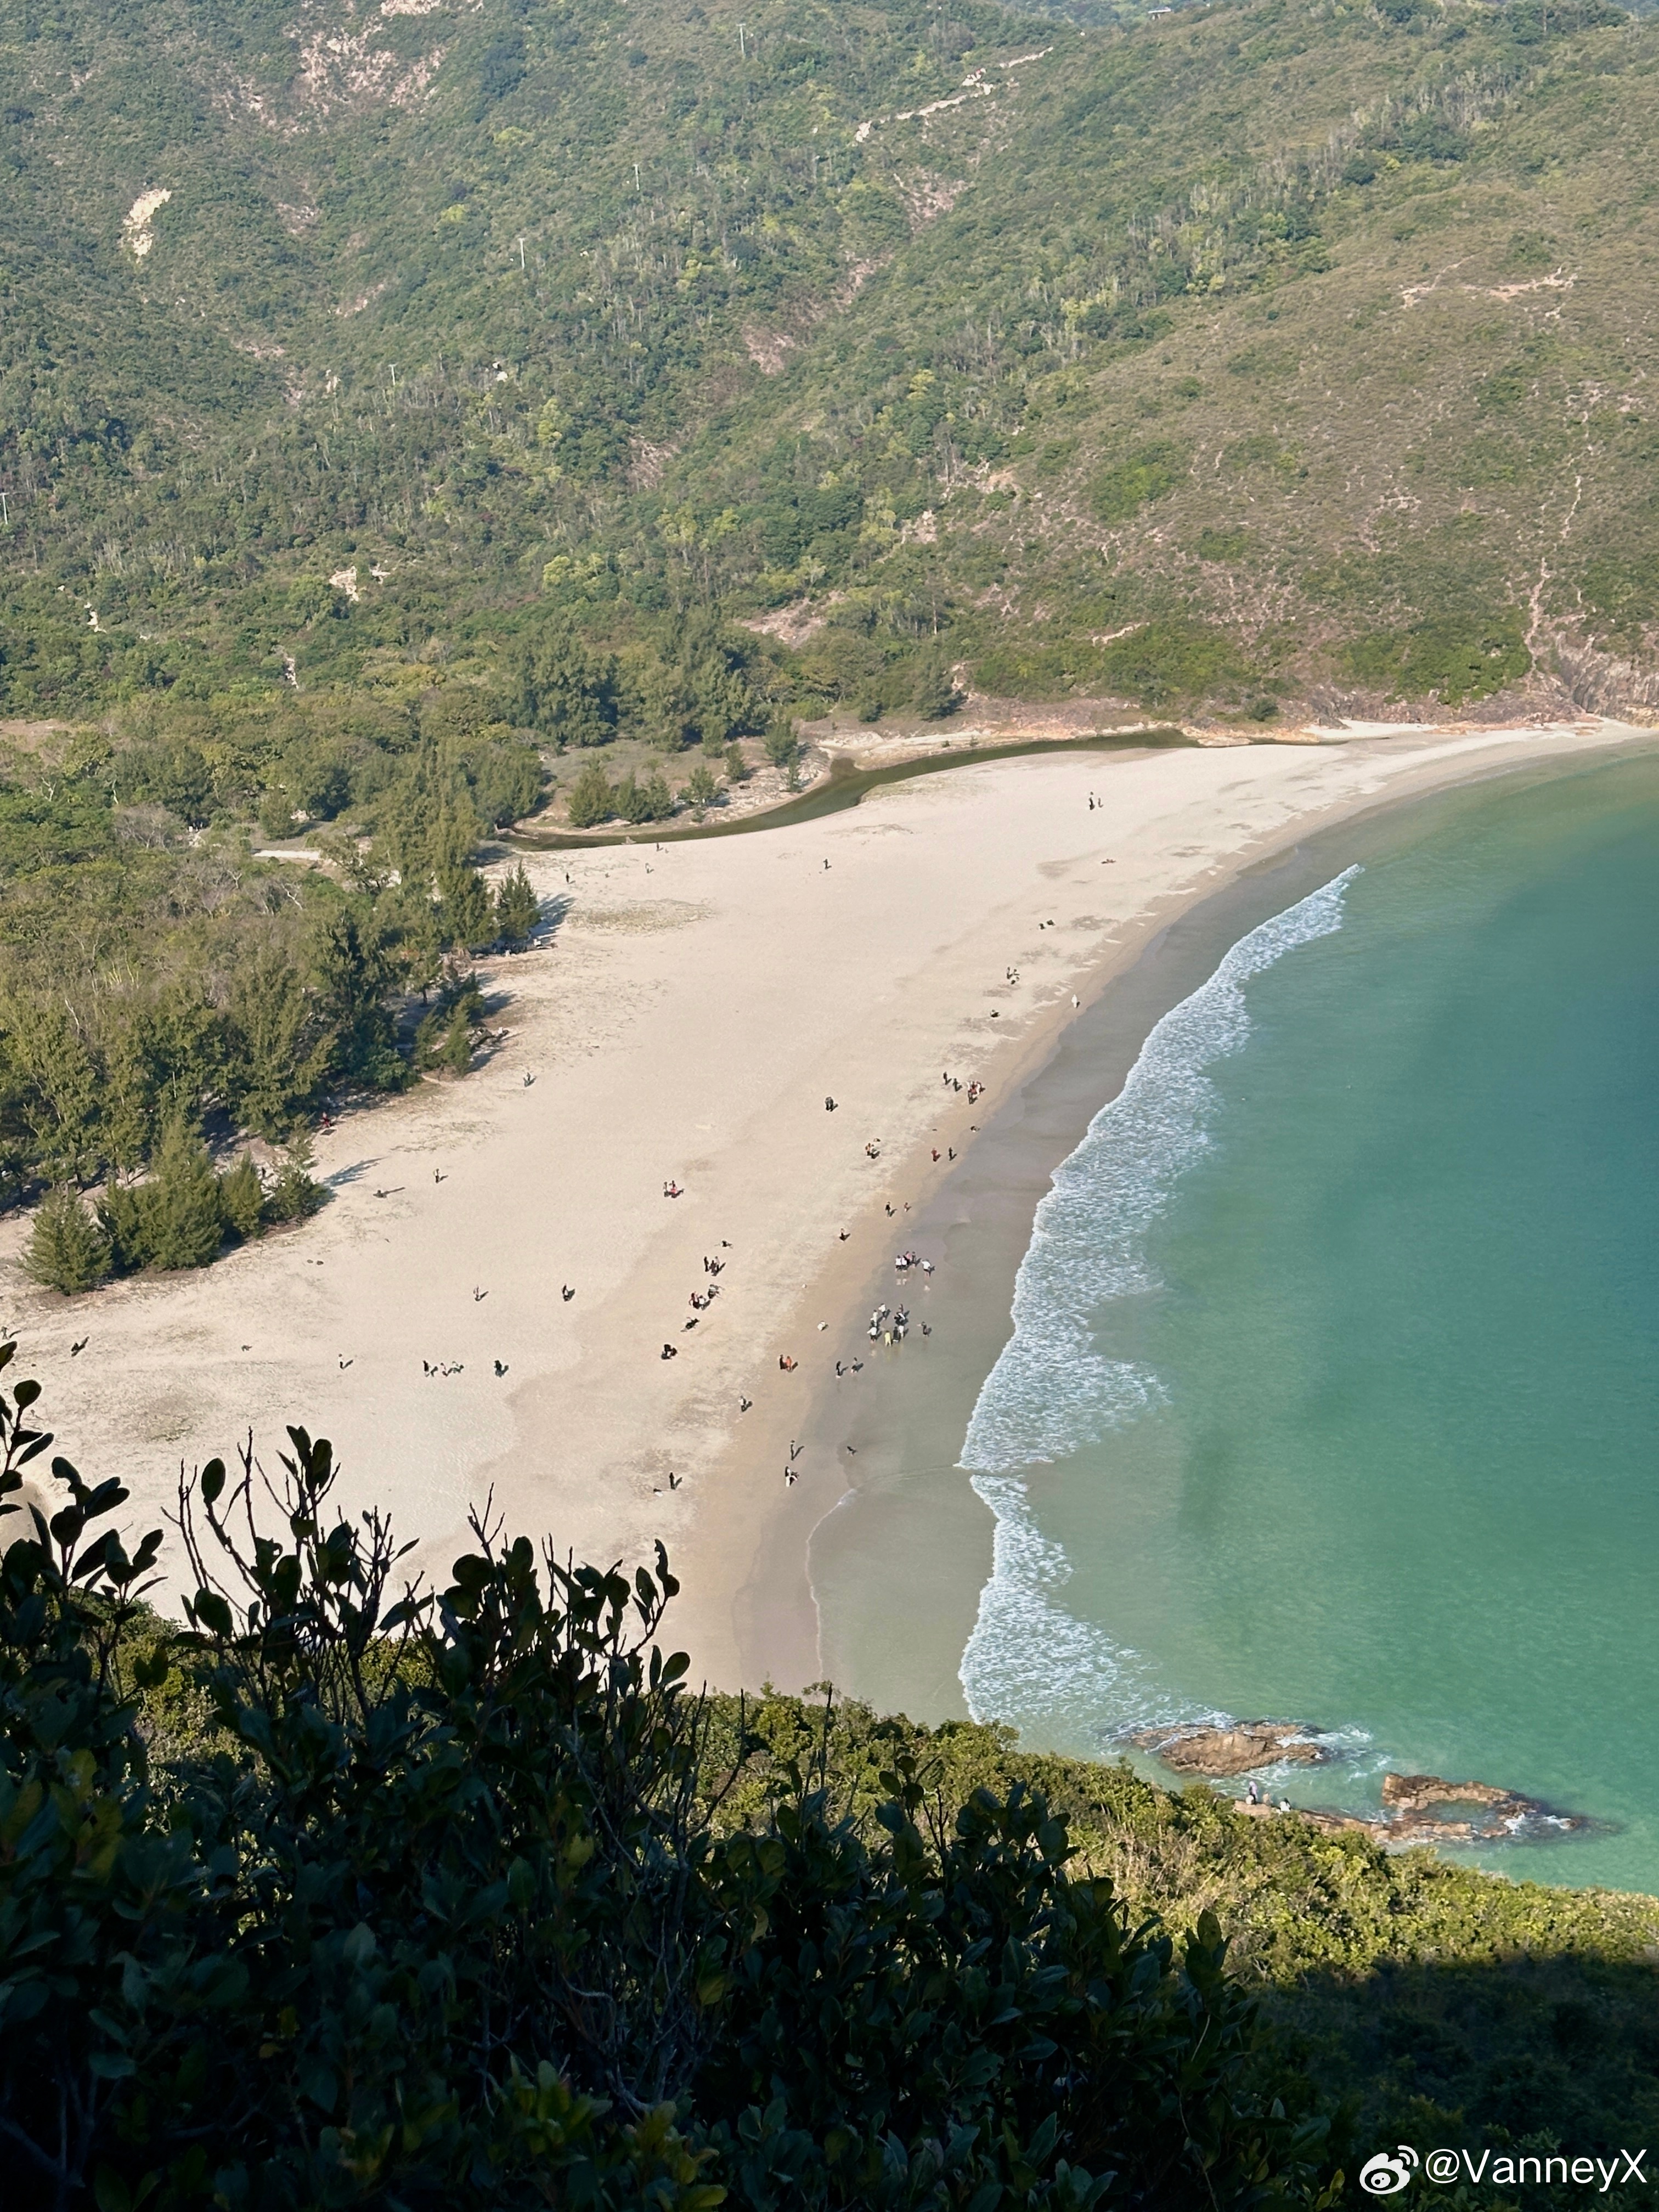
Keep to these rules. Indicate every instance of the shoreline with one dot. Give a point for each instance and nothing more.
(903, 1545)
(685, 1022)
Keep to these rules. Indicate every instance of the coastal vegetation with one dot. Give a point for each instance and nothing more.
(345, 1894)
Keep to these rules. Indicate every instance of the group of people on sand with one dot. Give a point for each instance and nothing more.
(897, 1324)
(975, 1093)
(700, 1300)
(903, 1260)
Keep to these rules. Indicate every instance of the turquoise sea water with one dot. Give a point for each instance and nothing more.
(1334, 1393)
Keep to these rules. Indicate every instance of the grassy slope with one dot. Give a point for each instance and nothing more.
(1315, 338)
(1447, 2007)
(1409, 429)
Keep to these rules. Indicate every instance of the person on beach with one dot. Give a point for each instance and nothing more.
(787, 1363)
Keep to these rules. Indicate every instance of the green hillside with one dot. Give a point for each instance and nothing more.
(414, 415)
(1246, 355)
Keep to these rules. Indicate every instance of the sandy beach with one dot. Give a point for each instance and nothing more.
(684, 1022)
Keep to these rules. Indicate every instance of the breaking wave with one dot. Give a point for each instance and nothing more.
(1029, 1660)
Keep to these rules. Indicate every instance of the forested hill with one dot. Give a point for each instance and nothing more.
(1249, 353)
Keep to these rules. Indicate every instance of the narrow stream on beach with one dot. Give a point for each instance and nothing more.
(1332, 1394)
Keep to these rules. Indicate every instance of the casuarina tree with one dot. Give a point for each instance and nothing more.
(67, 1251)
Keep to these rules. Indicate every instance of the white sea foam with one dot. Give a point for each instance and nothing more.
(1030, 1659)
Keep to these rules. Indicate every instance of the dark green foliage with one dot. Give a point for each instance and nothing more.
(566, 691)
(1457, 659)
(590, 800)
(66, 1250)
(294, 1194)
(933, 693)
(781, 743)
(649, 800)
(1124, 486)
(517, 910)
(242, 1198)
(278, 1049)
(1164, 661)
(435, 1907)
(466, 915)
(184, 1220)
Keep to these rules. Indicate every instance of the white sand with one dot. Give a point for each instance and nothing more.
(696, 1005)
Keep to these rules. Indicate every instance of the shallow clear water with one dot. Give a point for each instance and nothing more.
(1332, 1390)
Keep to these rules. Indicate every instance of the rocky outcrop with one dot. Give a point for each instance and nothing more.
(1413, 1810)
(1242, 1748)
(1416, 1807)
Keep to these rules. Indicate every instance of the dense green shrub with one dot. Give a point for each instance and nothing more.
(1145, 473)
(431, 1907)
(242, 1198)
(933, 693)
(1456, 659)
(1164, 661)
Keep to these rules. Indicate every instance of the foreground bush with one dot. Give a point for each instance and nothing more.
(434, 1899)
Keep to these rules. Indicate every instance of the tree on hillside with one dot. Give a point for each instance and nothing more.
(59, 1088)
(565, 689)
(277, 1050)
(781, 745)
(66, 1250)
(350, 958)
(933, 694)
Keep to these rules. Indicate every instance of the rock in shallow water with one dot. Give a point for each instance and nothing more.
(1240, 1749)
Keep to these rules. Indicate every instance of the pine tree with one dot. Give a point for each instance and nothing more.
(566, 691)
(466, 916)
(780, 744)
(457, 1047)
(125, 1212)
(66, 1250)
(242, 1197)
(518, 909)
(187, 1222)
(295, 1195)
(592, 799)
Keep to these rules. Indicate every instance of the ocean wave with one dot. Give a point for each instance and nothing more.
(1051, 1392)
